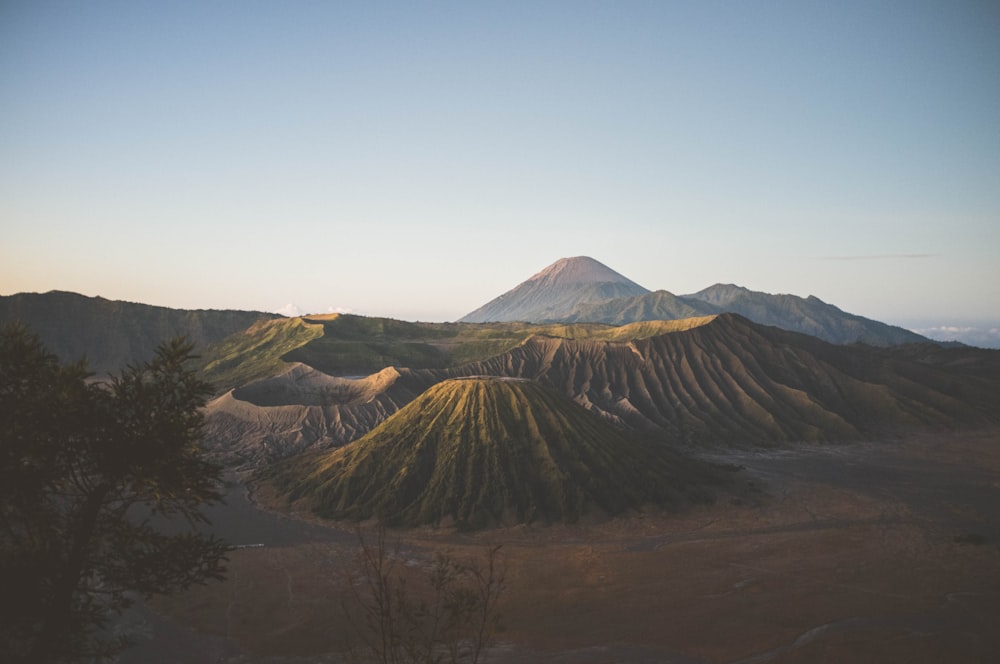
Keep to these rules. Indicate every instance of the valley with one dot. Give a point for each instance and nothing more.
(727, 477)
(865, 552)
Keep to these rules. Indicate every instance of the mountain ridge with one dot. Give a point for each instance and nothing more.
(716, 381)
(111, 334)
(568, 299)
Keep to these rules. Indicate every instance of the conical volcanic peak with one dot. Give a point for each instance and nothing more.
(480, 451)
(580, 270)
(556, 291)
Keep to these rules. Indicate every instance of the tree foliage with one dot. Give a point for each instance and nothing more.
(86, 470)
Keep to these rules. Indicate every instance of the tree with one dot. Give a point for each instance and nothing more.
(447, 616)
(86, 468)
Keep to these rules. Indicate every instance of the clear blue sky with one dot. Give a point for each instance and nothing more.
(417, 159)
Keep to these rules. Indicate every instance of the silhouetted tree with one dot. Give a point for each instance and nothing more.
(448, 616)
(85, 467)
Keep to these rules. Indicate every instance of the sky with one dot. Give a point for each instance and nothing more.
(417, 159)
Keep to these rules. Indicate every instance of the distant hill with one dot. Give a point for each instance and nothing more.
(556, 291)
(111, 333)
(807, 315)
(483, 451)
(566, 292)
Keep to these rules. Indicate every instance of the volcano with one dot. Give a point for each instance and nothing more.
(484, 451)
(555, 292)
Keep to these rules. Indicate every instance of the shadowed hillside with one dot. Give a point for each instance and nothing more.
(112, 334)
(483, 451)
(303, 409)
(658, 305)
(809, 315)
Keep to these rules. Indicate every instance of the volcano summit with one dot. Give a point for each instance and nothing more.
(555, 292)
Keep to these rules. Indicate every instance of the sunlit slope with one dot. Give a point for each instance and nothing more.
(483, 451)
(348, 345)
(256, 352)
(732, 381)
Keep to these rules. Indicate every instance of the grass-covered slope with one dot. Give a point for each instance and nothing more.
(482, 451)
(256, 352)
(348, 345)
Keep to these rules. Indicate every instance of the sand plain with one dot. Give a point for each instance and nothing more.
(874, 552)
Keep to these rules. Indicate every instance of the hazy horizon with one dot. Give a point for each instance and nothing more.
(415, 161)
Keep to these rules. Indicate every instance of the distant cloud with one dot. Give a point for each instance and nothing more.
(292, 310)
(289, 310)
(971, 335)
(876, 257)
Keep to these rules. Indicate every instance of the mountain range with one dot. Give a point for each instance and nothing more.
(112, 333)
(582, 289)
(713, 381)
(501, 421)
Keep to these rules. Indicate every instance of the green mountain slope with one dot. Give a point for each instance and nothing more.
(256, 352)
(484, 451)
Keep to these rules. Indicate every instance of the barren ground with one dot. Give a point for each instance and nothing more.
(879, 552)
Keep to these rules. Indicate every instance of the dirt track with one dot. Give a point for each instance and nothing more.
(863, 553)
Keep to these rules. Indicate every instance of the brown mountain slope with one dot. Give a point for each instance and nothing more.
(302, 409)
(732, 381)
